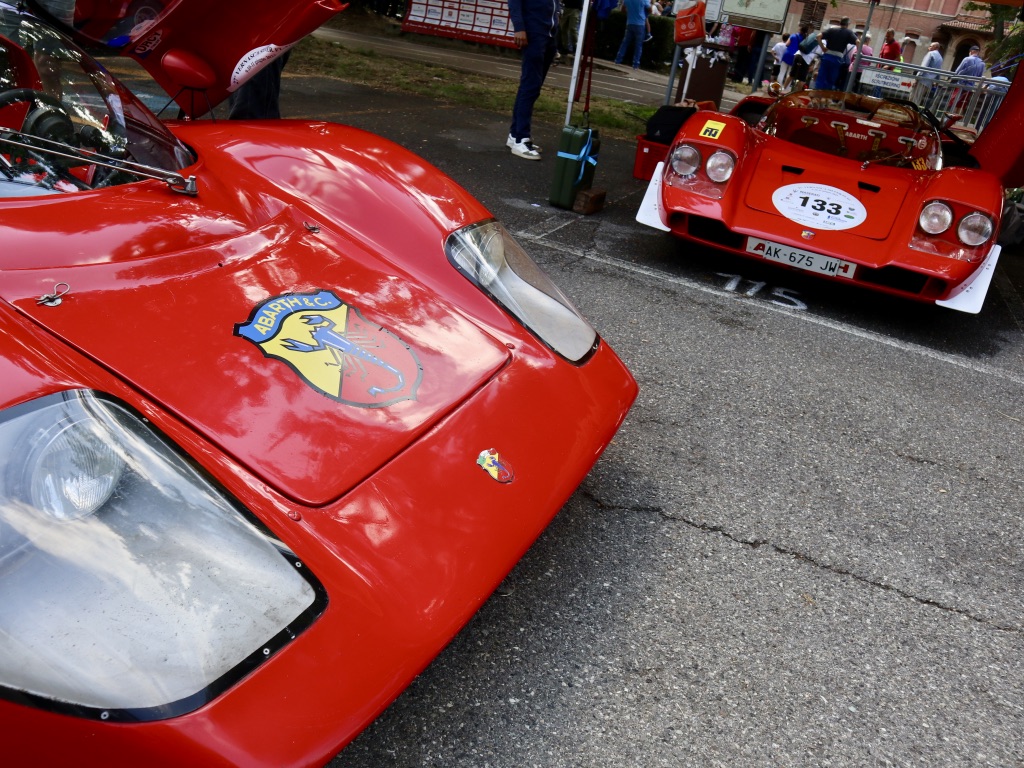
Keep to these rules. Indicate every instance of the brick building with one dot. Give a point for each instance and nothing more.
(917, 23)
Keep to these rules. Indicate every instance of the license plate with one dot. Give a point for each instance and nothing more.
(794, 257)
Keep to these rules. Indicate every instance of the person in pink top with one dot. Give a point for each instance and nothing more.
(865, 50)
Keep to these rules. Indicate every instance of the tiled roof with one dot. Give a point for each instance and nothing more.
(969, 23)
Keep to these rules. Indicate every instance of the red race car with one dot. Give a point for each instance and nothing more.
(853, 188)
(280, 406)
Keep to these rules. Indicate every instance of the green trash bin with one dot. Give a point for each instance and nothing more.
(574, 165)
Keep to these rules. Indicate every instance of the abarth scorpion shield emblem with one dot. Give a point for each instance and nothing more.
(334, 349)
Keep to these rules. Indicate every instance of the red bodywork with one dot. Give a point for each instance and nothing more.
(200, 62)
(803, 149)
(387, 506)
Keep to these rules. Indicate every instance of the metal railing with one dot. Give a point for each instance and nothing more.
(942, 92)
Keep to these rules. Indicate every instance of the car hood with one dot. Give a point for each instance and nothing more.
(304, 350)
(879, 190)
(198, 51)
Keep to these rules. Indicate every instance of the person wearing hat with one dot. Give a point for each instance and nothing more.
(972, 65)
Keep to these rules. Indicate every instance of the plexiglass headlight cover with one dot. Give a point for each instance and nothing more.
(131, 587)
(974, 229)
(720, 166)
(685, 160)
(491, 258)
(936, 217)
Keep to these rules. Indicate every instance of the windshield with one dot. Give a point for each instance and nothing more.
(59, 109)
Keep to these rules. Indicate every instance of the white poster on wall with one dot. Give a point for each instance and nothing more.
(767, 15)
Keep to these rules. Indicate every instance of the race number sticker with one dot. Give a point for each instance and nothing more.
(819, 206)
(712, 130)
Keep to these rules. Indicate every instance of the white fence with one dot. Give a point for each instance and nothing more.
(942, 92)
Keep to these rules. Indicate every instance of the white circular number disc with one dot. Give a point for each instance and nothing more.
(819, 206)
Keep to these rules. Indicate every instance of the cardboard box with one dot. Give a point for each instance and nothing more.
(589, 201)
(648, 155)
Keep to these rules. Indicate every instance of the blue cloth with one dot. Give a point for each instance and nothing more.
(534, 16)
(792, 47)
(932, 60)
(636, 11)
(634, 36)
(539, 19)
(971, 66)
(829, 66)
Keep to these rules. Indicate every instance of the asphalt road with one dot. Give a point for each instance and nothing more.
(804, 547)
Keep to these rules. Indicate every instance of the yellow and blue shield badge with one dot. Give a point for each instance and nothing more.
(334, 349)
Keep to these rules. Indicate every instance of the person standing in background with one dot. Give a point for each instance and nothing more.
(535, 23)
(778, 51)
(569, 28)
(972, 65)
(789, 57)
(865, 50)
(890, 48)
(258, 98)
(636, 23)
(933, 59)
(925, 88)
(744, 43)
(835, 41)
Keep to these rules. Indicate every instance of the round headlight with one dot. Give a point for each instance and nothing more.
(72, 469)
(720, 166)
(974, 229)
(935, 218)
(685, 160)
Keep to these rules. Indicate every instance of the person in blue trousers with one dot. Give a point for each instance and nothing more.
(535, 23)
(636, 25)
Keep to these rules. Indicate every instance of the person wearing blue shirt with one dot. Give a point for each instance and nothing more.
(972, 65)
(535, 23)
(636, 20)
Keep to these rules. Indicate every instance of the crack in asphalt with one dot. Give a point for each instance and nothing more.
(834, 569)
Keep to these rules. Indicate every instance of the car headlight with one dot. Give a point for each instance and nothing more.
(720, 166)
(131, 588)
(974, 229)
(685, 160)
(935, 218)
(490, 257)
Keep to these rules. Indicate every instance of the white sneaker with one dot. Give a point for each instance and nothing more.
(511, 140)
(525, 150)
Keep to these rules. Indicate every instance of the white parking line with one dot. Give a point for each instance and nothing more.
(807, 317)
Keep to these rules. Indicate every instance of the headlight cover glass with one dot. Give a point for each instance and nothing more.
(685, 160)
(491, 258)
(720, 166)
(131, 588)
(974, 229)
(936, 217)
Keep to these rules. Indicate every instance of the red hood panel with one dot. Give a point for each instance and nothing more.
(867, 200)
(300, 353)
